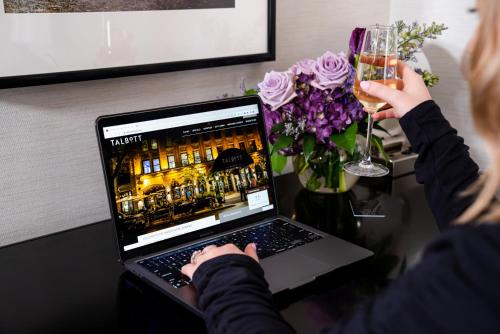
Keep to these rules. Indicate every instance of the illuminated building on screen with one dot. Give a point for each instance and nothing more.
(158, 173)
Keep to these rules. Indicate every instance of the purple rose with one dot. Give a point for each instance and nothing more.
(355, 44)
(277, 89)
(331, 70)
(304, 66)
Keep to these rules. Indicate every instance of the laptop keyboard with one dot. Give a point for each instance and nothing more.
(271, 238)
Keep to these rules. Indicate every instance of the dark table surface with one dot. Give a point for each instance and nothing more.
(71, 282)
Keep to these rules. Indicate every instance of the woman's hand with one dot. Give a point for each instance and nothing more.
(402, 101)
(213, 251)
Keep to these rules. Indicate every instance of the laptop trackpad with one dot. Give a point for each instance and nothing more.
(291, 270)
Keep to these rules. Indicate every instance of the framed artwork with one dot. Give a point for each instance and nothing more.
(53, 41)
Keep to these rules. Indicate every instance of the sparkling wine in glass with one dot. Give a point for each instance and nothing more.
(377, 62)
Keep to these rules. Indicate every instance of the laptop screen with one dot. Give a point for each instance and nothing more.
(176, 175)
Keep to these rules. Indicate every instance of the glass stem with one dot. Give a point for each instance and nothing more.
(367, 160)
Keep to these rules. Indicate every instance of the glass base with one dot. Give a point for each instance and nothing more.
(367, 169)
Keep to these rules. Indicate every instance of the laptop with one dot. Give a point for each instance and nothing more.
(184, 177)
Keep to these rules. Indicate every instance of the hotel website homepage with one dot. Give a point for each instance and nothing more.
(181, 174)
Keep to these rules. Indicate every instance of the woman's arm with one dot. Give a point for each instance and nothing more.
(234, 296)
(448, 292)
(443, 165)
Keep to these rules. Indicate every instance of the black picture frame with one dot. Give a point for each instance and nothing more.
(123, 71)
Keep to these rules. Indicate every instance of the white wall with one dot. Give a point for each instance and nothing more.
(51, 177)
(444, 56)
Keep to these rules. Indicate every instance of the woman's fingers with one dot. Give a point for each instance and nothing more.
(401, 68)
(208, 248)
(410, 92)
(188, 270)
(383, 92)
(251, 250)
(213, 251)
(191, 267)
(404, 70)
(384, 114)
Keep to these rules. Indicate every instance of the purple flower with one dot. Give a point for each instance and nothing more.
(304, 66)
(338, 116)
(277, 89)
(355, 44)
(313, 97)
(355, 109)
(304, 78)
(271, 118)
(331, 70)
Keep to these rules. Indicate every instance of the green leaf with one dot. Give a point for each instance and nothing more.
(377, 142)
(411, 37)
(347, 140)
(277, 128)
(250, 92)
(278, 162)
(376, 125)
(309, 145)
(430, 79)
(282, 142)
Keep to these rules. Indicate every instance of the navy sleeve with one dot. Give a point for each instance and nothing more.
(453, 290)
(234, 296)
(443, 165)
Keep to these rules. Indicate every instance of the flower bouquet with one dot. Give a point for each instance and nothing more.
(312, 115)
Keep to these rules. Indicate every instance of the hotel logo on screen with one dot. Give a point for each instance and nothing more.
(126, 140)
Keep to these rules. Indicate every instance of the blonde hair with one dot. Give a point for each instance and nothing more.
(484, 82)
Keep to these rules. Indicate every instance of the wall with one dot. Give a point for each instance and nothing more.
(51, 176)
(444, 56)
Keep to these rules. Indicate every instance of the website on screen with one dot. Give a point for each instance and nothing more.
(181, 174)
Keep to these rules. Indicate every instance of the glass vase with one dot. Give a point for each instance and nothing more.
(323, 176)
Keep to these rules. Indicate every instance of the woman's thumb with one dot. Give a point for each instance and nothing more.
(251, 250)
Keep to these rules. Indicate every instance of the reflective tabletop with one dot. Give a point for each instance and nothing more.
(71, 282)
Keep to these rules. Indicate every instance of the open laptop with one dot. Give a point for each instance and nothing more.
(184, 177)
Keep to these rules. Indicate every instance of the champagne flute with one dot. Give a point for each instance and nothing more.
(377, 62)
